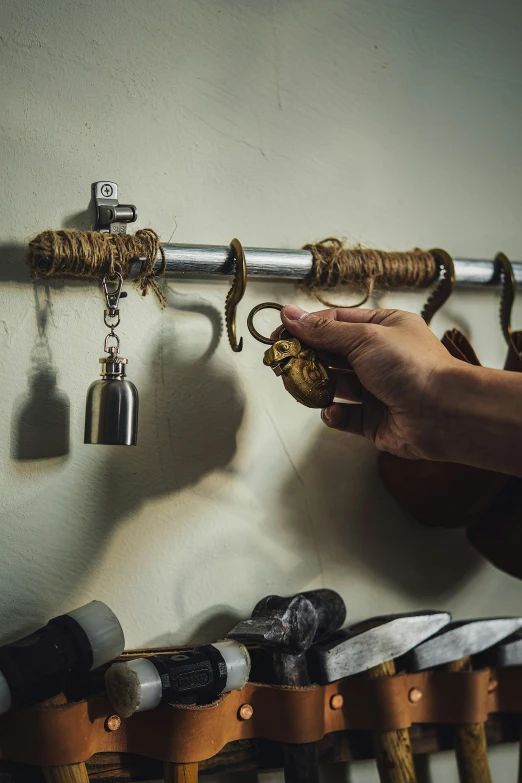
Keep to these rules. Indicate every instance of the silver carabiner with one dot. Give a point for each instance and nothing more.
(112, 297)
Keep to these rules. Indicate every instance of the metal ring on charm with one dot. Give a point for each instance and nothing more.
(110, 349)
(250, 321)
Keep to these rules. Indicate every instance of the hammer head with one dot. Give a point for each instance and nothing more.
(363, 645)
(509, 653)
(460, 639)
(292, 624)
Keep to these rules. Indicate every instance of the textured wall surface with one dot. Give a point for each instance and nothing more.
(394, 123)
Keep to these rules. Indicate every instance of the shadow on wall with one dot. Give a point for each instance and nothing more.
(340, 499)
(12, 264)
(40, 420)
(190, 413)
(210, 624)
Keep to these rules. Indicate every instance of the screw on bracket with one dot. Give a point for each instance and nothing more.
(111, 216)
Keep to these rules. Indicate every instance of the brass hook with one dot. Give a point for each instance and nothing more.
(445, 287)
(250, 321)
(236, 294)
(505, 270)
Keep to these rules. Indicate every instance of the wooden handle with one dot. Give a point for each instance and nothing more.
(180, 773)
(71, 773)
(392, 748)
(470, 741)
(472, 753)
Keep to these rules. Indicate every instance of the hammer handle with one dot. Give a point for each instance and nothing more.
(470, 741)
(392, 748)
(301, 764)
(69, 773)
(180, 773)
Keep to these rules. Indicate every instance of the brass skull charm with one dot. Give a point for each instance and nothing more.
(304, 376)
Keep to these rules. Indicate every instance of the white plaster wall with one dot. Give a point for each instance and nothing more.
(394, 123)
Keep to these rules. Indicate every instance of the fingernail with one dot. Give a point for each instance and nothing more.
(294, 313)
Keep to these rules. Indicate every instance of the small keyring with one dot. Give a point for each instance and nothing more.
(107, 314)
(250, 321)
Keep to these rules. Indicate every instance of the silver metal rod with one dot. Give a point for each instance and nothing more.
(202, 260)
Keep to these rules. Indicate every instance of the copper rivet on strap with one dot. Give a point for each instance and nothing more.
(246, 711)
(415, 695)
(113, 723)
(336, 702)
(492, 685)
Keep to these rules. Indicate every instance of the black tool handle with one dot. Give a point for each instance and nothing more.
(300, 761)
(301, 764)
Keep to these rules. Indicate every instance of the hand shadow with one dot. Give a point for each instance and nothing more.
(362, 531)
(40, 422)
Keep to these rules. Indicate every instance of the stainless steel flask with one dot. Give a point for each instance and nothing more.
(111, 415)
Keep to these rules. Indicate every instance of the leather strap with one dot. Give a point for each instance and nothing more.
(497, 535)
(460, 347)
(514, 354)
(54, 736)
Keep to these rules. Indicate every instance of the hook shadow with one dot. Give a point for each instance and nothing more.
(190, 414)
(195, 303)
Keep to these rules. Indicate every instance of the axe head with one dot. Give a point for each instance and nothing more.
(460, 639)
(291, 624)
(364, 645)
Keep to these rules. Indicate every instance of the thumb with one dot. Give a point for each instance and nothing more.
(331, 331)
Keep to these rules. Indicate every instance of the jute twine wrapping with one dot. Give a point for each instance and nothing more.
(89, 254)
(334, 265)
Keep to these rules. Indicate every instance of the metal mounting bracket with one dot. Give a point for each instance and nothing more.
(111, 216)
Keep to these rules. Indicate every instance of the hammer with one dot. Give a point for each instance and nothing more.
(38, 667)
(288, 627)
(371, 647)
(197, 676)
(452, 648)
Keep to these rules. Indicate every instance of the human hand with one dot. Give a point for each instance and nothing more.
(390, 365)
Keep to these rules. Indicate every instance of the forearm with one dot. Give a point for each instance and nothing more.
(478, 419)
